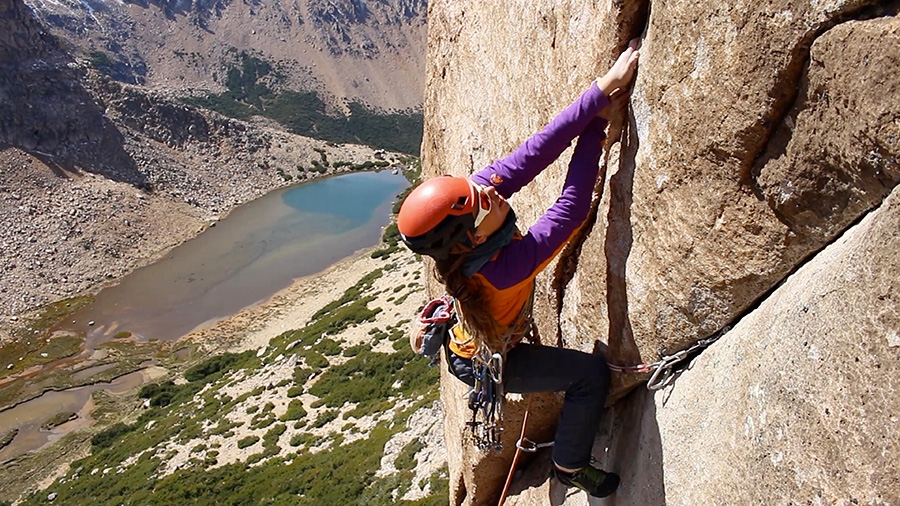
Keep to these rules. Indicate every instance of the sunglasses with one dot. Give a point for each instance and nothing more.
(484, 204)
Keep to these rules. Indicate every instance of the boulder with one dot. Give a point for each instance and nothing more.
(726, 183)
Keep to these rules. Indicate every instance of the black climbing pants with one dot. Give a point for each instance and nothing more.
(585, 379)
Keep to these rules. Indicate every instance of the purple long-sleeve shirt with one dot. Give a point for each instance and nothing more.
(510, 273)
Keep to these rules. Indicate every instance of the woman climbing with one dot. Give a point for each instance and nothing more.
(469, 229)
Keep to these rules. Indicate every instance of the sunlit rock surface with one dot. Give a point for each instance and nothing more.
(756, 136)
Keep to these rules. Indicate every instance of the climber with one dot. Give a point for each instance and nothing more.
(467, 226)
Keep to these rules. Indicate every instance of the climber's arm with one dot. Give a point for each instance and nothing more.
(526, 257)
(511, 173)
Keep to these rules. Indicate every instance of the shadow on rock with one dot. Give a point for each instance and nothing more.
(48, 112)
(629, 444)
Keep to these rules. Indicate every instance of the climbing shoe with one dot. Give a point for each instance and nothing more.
(590, 479)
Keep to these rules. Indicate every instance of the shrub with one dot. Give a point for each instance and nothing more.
(368, 378)
(353, 351)
(301, 374)
(406, 460)
(107, 437)
(316, 361)
(273, 434)
(325, 417)
(217, 364)
(247, 441)
(328, 347)
(294, 411)
(303, 438)
(224, 426)
(262, 423)
(8, 437)
(59, 419)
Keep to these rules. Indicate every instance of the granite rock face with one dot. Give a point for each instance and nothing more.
(797, 404)
(757, 134)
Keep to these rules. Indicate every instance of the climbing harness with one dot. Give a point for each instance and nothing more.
(486, 398)
(667, 367)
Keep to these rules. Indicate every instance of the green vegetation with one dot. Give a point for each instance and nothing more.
(390, 238)
(8, 437)
(109, 436)
(304, 113)
(304, 438)
(368, 378)
(351, 295)
(325, 417)
(295, 411)
(247, 441)
(406, 461)
(164, 393)
(101, 61)
(195, 412)
(31, 340)
(59, 419)
(215, 366)
(225, 426)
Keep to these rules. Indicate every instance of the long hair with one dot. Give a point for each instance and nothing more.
(477, 319)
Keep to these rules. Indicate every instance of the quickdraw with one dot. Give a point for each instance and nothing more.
(486, 402)
(532, 446)
(664, 370)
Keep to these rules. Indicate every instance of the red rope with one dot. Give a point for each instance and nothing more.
(515, 462)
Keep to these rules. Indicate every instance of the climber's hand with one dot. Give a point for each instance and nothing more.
(617, 99)
(622, 72)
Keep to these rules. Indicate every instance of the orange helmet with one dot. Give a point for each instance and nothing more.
(437, 215)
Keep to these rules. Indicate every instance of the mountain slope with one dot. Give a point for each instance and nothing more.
(333, 407)
(98, 177)
(346, 50)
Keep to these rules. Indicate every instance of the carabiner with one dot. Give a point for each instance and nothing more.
(496, 368)
(520, 444)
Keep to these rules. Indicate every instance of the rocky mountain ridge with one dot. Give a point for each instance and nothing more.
(345, 50)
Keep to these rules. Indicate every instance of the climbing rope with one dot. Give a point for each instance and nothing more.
(515, 461)
(520, 447)
(664, 370)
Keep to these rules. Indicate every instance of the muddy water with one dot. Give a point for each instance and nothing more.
(28, 417)
(258, 250)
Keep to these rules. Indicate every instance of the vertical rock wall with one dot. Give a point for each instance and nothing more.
(757, 134)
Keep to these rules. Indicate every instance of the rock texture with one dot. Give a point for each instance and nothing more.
(797, 404)
(756, 135)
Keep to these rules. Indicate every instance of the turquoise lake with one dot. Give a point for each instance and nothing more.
(259, 249)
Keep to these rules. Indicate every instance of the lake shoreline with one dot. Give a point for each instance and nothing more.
(291, 307)
(79, 232)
